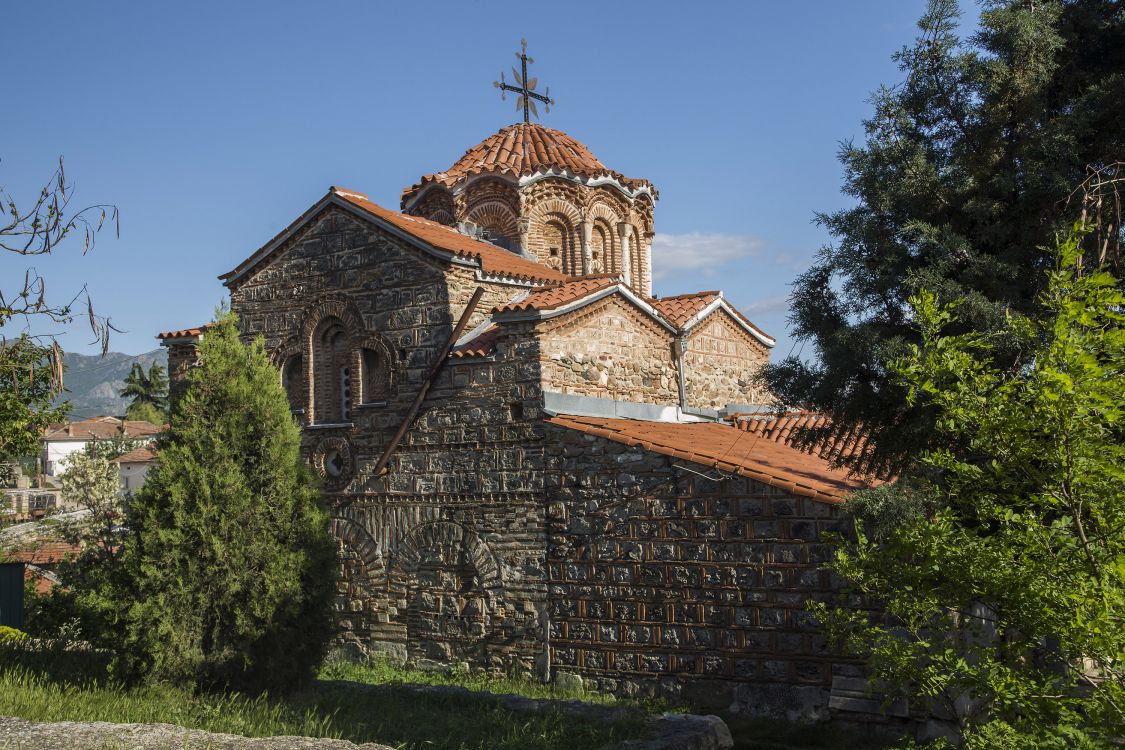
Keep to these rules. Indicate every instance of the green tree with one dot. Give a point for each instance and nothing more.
(149, 392)
(146, 413)
(1003, 571)
(229, 566)
(31, 370)
(959, 188)
(30, 377)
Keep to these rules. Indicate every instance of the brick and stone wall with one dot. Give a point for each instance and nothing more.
(663, 582)
(442, 558)
(497, 540)
(609, 349)
(721, 362)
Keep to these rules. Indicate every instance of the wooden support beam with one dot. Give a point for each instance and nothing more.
(443, 357)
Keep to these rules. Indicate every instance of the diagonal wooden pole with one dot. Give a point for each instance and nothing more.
(443, 357)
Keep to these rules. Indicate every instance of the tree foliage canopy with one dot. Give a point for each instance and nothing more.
(148, 391)
(1002, 572)
(228, 565)
(960, 187)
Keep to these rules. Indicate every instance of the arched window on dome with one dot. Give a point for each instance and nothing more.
(497, 223)
(603, 249)
(332, 372)
(638, 262)
(558, 250)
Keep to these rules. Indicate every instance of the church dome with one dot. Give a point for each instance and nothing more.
(522, 150)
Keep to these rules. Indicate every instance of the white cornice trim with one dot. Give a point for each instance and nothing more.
(463, 184)
(718, 303)
(618, 288)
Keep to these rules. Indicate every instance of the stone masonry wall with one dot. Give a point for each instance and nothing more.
(609, 350)
(442, 558)
(720, 364)
(663, 582)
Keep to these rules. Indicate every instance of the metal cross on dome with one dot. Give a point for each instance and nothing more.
(526, 88)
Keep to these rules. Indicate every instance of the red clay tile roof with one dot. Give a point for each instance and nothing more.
(726, 449)
(523, 149)
(43, 552)
(551, 297)
(682, 308)
(786, 428)
(100, 428)
(481, 345)
(493, 260)
(185, 333)
(137, 455)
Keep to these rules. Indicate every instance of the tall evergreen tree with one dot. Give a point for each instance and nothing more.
(230, 566)
(962, 182)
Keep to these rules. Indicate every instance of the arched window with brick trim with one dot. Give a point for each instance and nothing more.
(559, 246)
(332, 372)
(603, 249)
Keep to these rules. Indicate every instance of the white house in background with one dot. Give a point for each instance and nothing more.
(60, 440)
(134, 467)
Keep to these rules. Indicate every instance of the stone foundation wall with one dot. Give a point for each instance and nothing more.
(609, 350)
(665, 583)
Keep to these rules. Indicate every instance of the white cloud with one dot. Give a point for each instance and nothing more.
(701, 252)
(777, 303)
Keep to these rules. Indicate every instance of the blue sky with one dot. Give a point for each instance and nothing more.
(213, 125)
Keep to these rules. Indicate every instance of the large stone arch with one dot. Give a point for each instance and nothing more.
(446, 588)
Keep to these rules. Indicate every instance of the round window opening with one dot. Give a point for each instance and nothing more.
(334, 463)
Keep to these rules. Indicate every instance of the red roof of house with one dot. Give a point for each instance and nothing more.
(555, 296)
(185, 333)
(682, 308)
(523, 149)
(727, 449)
(136, 456)
(481, 345)
(44, 552)
(100, 428)
(785, 428)
(493, 260)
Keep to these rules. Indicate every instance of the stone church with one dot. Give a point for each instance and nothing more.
(532, 462)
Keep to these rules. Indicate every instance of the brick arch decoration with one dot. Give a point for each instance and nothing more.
(441, 216)
(386, 353)
(567, 215)
(341, 308)
(350, 533)
(447, 540)
(279, 355)
(605, 218)
(360, 562)
(497, 216)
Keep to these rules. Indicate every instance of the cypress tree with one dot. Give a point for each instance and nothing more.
(961, 187)
(229, 564)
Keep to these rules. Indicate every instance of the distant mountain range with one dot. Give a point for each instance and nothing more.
(92, 381)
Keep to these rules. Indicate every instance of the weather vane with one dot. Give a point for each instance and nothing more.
(526, 88)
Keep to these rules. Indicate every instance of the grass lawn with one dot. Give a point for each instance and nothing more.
(391, 715)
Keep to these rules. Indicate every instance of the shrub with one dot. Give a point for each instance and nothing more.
(229, 566)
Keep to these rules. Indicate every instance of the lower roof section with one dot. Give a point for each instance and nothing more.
(727, 449)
